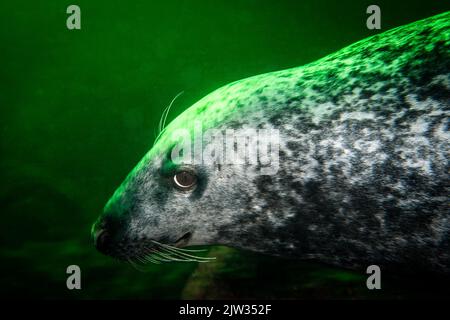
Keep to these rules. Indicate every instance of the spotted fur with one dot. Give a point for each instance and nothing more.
(364, 171)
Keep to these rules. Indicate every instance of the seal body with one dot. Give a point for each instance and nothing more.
(363, 174)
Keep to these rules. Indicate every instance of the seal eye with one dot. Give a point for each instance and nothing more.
(184, 180)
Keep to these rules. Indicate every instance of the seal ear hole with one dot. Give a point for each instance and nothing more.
(184, 180)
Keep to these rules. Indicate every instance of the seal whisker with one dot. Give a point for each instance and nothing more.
(158, 255)
(180, 249)
(184, 254)
(168, 109)
(162, 121)
(153, 254)
(167, 254)
(173, 255)
(154, 259)
(149, 258)
(188, 250)
(189, 256)
(180, 256)
(137, 267)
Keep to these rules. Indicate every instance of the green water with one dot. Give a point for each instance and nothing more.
(79, 108)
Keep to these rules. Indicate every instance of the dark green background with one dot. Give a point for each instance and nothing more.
(80, 108)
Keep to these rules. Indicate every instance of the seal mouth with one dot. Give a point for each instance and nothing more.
(183, 240)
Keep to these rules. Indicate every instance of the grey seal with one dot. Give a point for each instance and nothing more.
(363, 174)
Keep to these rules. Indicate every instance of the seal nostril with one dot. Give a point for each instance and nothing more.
(103, 232)
(102, 240)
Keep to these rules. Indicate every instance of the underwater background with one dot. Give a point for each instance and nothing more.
(79, 108)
